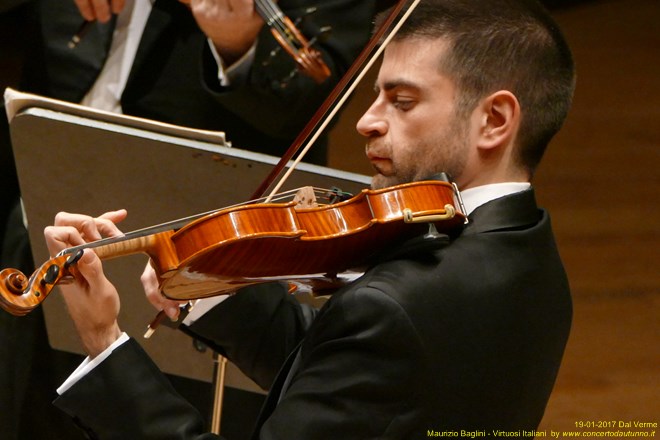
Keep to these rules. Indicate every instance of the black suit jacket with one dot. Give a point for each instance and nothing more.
(441, 335)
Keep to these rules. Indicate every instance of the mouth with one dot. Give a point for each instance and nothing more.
(379, 158)
(374, 156)
(382, 165)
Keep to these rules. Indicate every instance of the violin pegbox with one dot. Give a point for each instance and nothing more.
(308, 60)
(19, 295)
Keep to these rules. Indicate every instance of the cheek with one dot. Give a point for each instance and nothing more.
(423, 122)
(404, 138)
(404, 132)
(406, 158)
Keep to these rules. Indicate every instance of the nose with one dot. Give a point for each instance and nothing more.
(372, 123)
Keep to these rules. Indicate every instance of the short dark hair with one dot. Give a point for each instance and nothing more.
(510, 45)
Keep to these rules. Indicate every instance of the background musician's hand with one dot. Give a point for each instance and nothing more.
(232, 25)
(92, 301)
(99, 10)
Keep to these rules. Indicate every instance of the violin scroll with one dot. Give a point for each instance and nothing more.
(19, 295)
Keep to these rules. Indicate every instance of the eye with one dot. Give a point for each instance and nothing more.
(403, 103)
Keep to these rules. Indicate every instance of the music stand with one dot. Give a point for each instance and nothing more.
(77, 159)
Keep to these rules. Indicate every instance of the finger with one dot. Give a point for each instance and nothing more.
(150, 284)
(117, 6)
(101, 10)
(91, 268)
(108, 222)
(151, 287)
(91, 228)
(85, 224)
(62, 237)
(86, 9)
(172, 309)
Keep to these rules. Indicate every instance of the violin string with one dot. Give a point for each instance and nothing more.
(272, 14)
(179, 223)
(344, 98)
(270, 9)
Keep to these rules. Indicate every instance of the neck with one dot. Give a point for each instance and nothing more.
(492, 166)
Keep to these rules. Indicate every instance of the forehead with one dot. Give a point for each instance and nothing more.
(413, 60)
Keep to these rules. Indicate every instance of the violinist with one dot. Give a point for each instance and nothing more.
(174, 75)
(443, 333)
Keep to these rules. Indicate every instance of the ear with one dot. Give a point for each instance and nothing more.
(499, 120)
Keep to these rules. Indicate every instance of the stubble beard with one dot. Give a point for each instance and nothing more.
(446, 153)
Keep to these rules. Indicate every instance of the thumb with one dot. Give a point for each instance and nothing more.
(90, 267)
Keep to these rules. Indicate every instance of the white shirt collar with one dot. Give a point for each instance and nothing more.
(477, 196)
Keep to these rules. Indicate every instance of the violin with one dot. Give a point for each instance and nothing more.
(219, 252)
(308, 59)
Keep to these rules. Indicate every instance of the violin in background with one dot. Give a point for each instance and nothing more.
(308, 59)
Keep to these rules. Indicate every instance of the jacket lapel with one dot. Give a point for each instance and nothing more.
(515, 211)
(72, 71)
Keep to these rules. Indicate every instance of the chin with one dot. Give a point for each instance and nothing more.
(379, 181)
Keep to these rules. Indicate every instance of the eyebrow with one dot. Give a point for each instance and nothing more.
(397, 83)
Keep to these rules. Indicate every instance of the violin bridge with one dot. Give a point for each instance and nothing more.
(305, 198)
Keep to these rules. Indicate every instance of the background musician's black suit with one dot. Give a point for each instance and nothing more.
(173, 79)
(491, 311)
(169, 82)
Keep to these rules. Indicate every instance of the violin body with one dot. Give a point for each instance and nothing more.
(258, 243)
(255, 243)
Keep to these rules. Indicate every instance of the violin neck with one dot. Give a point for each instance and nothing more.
(155, 241)
(157, 246)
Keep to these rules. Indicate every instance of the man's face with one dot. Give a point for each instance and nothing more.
(412, 128)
